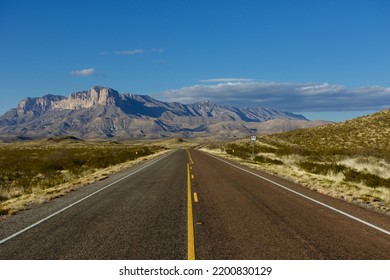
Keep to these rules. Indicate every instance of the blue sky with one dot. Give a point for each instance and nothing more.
(324, 59)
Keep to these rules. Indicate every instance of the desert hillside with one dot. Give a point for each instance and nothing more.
(370, 134)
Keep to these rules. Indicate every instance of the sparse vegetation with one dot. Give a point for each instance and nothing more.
(370, 180)
(321, 168)
(264, 159)
(27, 168)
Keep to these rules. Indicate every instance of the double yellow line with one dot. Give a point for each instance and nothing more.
(190, 216)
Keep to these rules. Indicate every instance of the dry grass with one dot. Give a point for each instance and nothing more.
(332, 184)
(372, 165)
(36, 172)
(365, 136)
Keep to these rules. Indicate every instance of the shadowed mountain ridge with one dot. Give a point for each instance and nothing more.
(103, 112)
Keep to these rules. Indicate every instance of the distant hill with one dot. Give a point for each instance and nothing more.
(367, 134)
(103, 113)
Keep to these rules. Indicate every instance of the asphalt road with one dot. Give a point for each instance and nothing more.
(143, 216)
(242, 216)
(191, 205)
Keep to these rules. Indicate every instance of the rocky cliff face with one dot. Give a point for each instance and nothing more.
(37, 106)
(78, 100)
(103, 113)
(87, 99)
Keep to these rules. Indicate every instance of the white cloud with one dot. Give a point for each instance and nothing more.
(129, 52)
(83, 72)
(133, 52)
(226, 80)
(295, 97)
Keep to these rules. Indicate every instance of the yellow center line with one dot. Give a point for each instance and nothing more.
(190, 217)
(189, 156)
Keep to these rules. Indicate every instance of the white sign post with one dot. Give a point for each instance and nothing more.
(253, 139)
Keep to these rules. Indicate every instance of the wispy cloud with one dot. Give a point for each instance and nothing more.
(129, 52)
(133, 51)
(226, 80)
(296, 97)
(84, 72)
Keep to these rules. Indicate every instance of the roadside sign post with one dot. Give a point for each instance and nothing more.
(253, 140)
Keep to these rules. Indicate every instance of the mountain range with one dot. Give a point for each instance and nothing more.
(101, 113)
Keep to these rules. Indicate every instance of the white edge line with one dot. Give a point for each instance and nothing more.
(307, 197)
(78, 201)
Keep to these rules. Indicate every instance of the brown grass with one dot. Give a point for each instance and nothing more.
(35, 172)
(332, 184)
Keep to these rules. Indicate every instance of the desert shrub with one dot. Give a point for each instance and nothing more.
(3, 197)
(265, 149)
(285, 150)
(242, 151)
(350, 175)
(370, 180)
(262, 159)
(321, 168)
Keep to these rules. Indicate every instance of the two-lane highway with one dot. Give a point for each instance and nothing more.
(190, 205)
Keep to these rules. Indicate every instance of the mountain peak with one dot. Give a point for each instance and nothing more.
(204, 102)
(97, 95)
(104, 91)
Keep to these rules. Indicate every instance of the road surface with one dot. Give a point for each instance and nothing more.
(190, 205)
